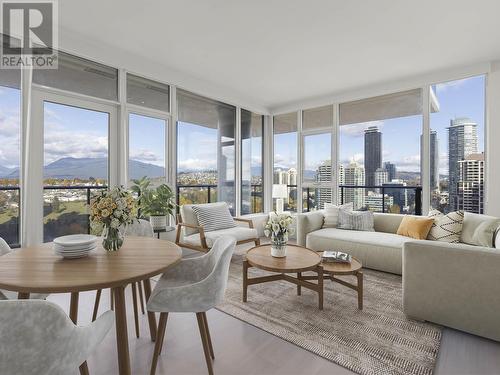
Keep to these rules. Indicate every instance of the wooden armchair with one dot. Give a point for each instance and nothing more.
(193, 236)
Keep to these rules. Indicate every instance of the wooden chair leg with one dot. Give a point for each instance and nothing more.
(96, 304)
(257, 242)
(204, 340)
(141, 298)
(205, 322)
(111, 300)
(136, 312)
(162, 326)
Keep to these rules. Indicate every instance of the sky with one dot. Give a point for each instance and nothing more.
(400, 136)
(76, 132)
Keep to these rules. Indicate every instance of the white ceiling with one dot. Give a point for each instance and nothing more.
(276, 52)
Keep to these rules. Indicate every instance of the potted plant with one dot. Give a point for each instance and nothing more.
(110, 212)
(139, 187)
(278, 227)
(157, 203)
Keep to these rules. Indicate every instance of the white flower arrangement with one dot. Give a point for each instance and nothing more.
(279, 226)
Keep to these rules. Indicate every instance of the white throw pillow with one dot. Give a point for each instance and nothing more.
(479, 229)
(356, 220)
(446, 228)
(331, 214)
(214, 217)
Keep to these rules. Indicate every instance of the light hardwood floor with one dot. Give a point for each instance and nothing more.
(243, 349)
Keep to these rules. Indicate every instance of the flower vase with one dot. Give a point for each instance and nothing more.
(112, 238)
(278, 247)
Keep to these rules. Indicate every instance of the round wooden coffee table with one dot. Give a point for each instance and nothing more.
(298, 259)
(331, 269)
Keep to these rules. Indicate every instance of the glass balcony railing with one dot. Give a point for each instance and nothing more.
(10, 209)
(65, 210)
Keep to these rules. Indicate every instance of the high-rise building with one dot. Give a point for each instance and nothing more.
(433, 161)
(354, 175)
(471, 184)
(381, 176)
(391, 170)
(373, 153)
(324, 195)
(400, 196)
(340, 182)
(462, 142)
(376, 202)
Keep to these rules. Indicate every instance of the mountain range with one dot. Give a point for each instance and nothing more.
(86, 168)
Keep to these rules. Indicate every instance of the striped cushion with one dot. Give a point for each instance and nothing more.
(214, 216)
(356, 220)
(446, 228)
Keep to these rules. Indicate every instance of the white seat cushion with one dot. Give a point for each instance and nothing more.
(239, 233)
(377, 250)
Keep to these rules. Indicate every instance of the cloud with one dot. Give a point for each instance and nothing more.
(358, 130)
(358, 158)
(146, 156)
(284, 161)
(451, 85)
(195, 164)
(77, 145)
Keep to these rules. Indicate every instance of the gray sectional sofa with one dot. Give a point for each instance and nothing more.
(456, 285)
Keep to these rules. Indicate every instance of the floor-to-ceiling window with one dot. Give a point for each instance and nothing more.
(379, 165)
(317, 125)
(10, 155)
(457, 145)
(76, 147)
(252, 186)
(285, 157)
(205, 150)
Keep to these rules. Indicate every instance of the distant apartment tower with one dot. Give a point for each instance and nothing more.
(373, 153)
(324, 174)
(286, 177)
(376, 202)
(340, 182)
(391, 170)
(471, 184)
(354, 175)
(381, 177)
(462, 142)
(399, 195)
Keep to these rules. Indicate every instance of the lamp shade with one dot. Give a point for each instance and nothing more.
(280, 191)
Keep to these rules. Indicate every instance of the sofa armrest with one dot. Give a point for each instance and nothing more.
(456, 285)
(307, 223)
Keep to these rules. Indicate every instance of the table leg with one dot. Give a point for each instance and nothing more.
(359, 275)
(73, 315)
(245, 280)
(22, 295)
(121, 331)
(299, 288)
(151, 315)
(320, 287)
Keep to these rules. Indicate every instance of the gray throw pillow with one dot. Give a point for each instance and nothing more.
(356, 220)
(479, 229)
(214, 217)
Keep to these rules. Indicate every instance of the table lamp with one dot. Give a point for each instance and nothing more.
(280, 191)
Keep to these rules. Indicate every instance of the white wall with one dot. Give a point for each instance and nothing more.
(492, 141)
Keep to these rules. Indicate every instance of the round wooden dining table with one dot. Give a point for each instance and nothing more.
(37, 269)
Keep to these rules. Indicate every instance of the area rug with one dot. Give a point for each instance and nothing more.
(377, 340)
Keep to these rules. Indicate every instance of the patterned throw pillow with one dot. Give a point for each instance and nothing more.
(331, 214)
(356, 220)
(214, 216)
(446, 228)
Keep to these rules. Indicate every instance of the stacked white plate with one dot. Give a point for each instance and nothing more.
(75, 245)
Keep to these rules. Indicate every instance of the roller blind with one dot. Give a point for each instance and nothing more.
(286, 123)
(317, 118)
(148, 93)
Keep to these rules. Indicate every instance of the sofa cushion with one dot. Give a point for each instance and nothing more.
(479, 229)
(377, 250)
(356, 220)
(331, 213)
(388, 223)
(214, 216)
(446, 228)
(415, 227)
(239, 233)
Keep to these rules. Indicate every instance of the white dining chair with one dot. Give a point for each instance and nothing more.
(139, 228)
(194, 285)
(7, 294)
(38, 338)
